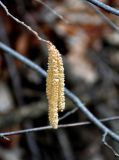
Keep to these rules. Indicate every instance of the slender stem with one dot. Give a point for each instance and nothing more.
(104, 17)
(104, 6)
(59, 126)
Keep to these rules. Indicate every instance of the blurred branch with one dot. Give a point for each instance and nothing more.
(68, 114)
(12, 70)
(105, 18)
(104, 6)
(53, 11)
(69, 94)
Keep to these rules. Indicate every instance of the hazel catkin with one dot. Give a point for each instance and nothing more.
(55, 85)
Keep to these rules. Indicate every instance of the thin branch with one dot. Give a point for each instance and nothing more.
(105, 7)
(59, 126)
(105, 18)
(83, 108)
(68, 93)
(68, 114)
(108, 146)
(33, 111)
(23, 59)
(28, 112)
(23, 24)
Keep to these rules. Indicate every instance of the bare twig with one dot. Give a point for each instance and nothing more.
(69, 94)
(36, 110)
(106, 144)
(59, 126)
(105, 18)
(68, 114)
(104, 6)
(26, 113)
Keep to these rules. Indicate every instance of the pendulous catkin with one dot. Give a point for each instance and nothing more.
(55, 85)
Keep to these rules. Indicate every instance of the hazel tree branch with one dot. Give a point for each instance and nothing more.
(68, 93)
(28, 112)
(35, 110)
(104, 17)
(68, 114)
(108, 146)
(59, 126)
(105, 7)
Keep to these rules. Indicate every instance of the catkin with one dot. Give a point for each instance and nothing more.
(61, 98)
(55, 85)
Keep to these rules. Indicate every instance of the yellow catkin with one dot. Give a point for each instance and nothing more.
(49, 77)
(53, 110)
(52, 87)
(55, 85)
(61, 98)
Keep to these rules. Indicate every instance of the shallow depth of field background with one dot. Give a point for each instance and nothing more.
(90, 51)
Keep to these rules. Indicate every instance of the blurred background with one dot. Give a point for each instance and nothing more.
(90, 51)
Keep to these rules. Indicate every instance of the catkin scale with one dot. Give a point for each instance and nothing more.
(55, 85)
